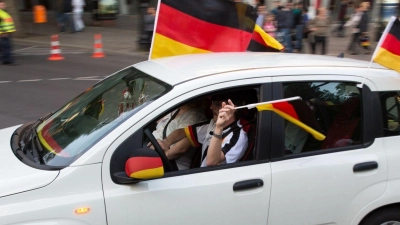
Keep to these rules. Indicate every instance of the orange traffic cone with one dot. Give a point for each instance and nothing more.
(98, 47)
(55, 52)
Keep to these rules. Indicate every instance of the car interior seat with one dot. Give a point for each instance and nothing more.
(345, 124)
(306, 115)
(250, 128)
(248, 120)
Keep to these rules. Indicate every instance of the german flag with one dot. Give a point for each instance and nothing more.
(201, 26)
(263, 42)
(388, 54)
(144, 164)
(296, 113)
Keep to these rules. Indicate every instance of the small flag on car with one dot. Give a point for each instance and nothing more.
(263, 42)
(286, 109)
(387, 52)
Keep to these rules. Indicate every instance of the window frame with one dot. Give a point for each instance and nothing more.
(262, 144)
(371, 126)
(384, 115)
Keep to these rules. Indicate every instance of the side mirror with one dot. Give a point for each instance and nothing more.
(144, 164)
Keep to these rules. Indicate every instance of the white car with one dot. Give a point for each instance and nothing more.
(68, 168)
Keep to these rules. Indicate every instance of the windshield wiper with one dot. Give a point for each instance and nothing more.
(31, 144)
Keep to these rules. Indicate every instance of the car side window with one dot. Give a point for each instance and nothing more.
(197, 122)
(390, 103)
(333, 109)
(238, 139)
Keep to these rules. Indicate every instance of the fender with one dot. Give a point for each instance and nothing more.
(55, 204)
(391, 196)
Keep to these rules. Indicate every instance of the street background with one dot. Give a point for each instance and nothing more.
(122, 35)
(38, 86)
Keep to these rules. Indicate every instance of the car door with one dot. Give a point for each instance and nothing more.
(329, 181)
(215, 195)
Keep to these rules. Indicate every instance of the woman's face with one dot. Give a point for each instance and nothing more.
(322, 12)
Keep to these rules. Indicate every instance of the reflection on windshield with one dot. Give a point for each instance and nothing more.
(82, 122)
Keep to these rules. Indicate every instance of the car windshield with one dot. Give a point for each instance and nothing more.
(77, 126)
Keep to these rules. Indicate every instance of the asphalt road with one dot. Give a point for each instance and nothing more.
(38, 85)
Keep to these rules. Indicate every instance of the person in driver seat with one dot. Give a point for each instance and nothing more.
(222, 139)
(186, 115)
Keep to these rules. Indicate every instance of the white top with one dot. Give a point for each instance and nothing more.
(353, 22)
(187, 118)
(234, 141)
(77, 5)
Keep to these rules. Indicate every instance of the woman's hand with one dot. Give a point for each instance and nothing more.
(225, 113)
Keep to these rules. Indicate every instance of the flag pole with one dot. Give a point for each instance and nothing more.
(385, 32)
(155, 27)
(250, 106)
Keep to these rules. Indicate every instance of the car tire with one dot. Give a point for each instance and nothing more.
(389, 216)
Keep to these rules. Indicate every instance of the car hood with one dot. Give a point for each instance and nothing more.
(15, 176)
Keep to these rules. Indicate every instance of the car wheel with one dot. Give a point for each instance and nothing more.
(390, 216)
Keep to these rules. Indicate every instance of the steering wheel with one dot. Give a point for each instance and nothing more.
(167, 165)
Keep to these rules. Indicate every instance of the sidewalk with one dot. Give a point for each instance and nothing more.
(122, 35)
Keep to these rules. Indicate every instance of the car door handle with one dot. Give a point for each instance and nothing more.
(247, 184)
(365, 166)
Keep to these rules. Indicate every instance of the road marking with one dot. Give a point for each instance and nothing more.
(35, 50)
(56, 79)
(22, 49)
(29, 80)
(60, 79)
(87, 79)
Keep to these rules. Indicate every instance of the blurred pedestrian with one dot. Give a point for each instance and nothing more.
(149, 20)
(269, 25)
(304, 17)
(299, 25)
(261, 12)
(285, 23)
(66, 17)
(353, 24)
(7, 27)
(59, 8)
(77, 11)
(351, 9)
(277, 7)
(363, 25)
(342, 18)
(258, 3)
(319, 27)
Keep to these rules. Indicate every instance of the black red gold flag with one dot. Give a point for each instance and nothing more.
(388, 54)
(200, 26)
(263, 42)
(287, 110)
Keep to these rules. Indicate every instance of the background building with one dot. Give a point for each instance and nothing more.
(379, 8)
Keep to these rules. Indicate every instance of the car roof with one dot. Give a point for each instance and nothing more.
(177, 69)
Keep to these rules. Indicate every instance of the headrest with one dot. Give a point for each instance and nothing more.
(238, 98)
